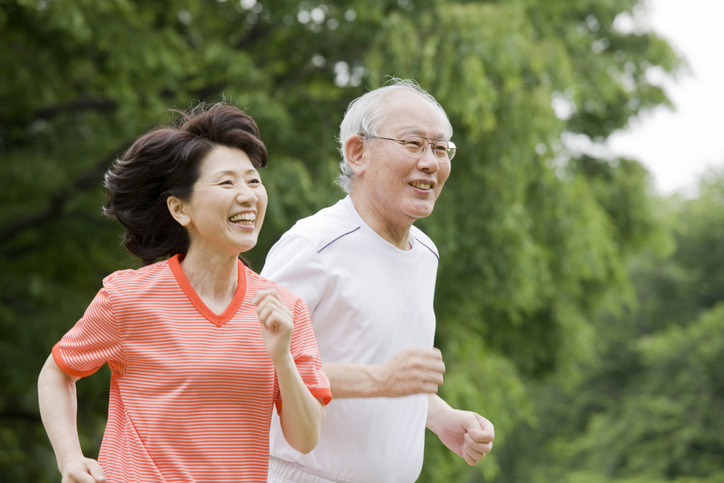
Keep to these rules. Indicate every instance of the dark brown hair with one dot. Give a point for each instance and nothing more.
(166, 162)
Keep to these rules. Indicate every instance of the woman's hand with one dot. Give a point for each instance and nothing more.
(276, 324)
(84, 470)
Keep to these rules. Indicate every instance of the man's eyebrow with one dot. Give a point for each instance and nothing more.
(417, 132)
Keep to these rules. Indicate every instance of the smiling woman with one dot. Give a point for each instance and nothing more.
(226, 210)
(200, 347)
(167, 162)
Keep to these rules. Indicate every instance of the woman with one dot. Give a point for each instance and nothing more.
(200, 347)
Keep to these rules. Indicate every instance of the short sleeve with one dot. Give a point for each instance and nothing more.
(306, 356)
(293, 263)
(93, 341)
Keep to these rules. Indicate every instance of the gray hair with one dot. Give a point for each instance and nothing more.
(366, 114)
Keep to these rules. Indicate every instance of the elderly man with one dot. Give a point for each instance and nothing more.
(368, 277)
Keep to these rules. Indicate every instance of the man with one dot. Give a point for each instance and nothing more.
(368, 277)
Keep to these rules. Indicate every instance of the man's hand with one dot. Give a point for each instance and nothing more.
(84, 470)
(412, 371)
(465, 433)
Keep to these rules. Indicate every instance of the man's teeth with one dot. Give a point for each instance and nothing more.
(243, 217)
(422, 186)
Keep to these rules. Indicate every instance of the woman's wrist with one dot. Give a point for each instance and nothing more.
(284, 362)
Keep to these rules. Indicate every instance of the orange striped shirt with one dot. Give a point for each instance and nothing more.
(192, 392)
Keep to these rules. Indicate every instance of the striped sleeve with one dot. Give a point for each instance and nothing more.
(93, 341)
(306, 354)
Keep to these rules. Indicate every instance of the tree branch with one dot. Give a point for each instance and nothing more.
(82, 104)
(57, 202)
(255, 33)
(87, 179)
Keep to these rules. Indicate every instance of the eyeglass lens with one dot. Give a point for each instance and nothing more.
(441, 149)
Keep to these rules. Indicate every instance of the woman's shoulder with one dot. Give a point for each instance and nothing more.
(130, 277)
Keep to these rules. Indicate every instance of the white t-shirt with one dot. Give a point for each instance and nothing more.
(368, 301)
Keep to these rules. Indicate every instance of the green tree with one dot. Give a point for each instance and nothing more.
(651, 410)
(533, 241)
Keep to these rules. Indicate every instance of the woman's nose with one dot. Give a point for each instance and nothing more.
(246, 195)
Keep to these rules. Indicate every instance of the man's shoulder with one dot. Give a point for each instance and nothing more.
(325, 226)
(257, 282)
(424, 240)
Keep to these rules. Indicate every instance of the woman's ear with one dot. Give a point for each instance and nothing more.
(354, 150)
(177, 208)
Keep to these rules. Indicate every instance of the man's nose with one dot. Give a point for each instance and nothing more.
(428, 161)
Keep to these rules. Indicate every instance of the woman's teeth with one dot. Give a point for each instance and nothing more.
(243, 218)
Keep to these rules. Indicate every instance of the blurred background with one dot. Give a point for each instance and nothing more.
(577, 303)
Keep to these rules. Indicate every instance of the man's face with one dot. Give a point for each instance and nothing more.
(403, 187)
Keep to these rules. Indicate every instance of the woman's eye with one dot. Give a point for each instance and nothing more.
(254, 181)
(227, 182)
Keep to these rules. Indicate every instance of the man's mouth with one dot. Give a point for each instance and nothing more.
(422, 186)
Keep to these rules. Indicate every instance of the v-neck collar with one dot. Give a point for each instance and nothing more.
(174, 264)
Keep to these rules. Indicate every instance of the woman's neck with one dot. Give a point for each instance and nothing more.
(214, 277)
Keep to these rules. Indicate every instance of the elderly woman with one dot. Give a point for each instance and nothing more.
(200, 347)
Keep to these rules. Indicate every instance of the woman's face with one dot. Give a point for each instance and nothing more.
(227, 206)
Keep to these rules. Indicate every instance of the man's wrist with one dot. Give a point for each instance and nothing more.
(379, 378)
(436, 410)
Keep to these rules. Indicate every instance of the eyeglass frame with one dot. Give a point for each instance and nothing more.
(430, 141)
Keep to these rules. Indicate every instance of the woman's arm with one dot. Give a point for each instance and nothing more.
(58, 410)
(302, 414)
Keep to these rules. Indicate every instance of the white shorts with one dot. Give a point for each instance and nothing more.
(282, 471)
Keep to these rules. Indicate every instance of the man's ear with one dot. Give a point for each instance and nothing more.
(177, 208)
(354, 150)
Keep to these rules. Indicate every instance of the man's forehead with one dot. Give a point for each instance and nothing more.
(412, 114)
(416, 125)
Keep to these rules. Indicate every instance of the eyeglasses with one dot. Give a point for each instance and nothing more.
(416, 146)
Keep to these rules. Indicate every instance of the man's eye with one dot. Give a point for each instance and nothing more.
(415, 143)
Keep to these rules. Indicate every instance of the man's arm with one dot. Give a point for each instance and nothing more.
(411, 371)
(465, 433)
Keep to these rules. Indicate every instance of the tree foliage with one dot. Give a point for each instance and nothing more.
(534, 241)
(651, 410)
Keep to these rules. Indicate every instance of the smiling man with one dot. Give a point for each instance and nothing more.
(368, 277)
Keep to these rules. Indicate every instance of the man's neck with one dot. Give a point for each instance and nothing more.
(396, 234)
